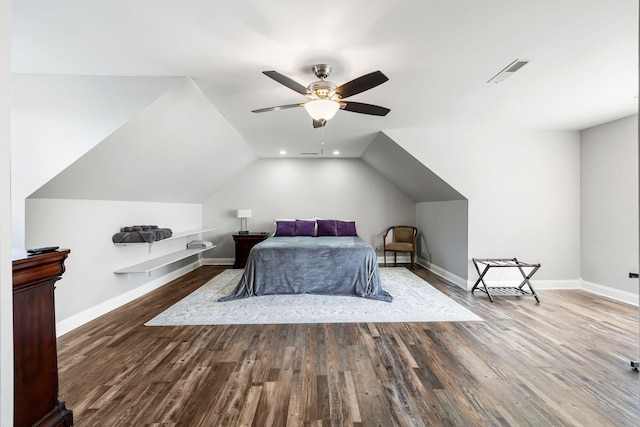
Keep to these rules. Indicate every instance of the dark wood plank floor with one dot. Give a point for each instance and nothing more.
(564, 361)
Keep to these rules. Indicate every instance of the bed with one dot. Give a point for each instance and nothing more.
(325, 265)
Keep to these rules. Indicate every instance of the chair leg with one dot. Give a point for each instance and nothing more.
(385, 257)
(413, 259)
(395, 259)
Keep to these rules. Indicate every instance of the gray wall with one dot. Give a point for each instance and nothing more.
(443, 237)
(609, 204)
(305, 188)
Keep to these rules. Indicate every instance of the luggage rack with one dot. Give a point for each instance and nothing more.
(519, 290)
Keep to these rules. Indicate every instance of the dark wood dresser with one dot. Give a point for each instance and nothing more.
(34, 341)
(244, 243)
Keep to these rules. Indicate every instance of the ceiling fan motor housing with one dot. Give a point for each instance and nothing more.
(322, 89)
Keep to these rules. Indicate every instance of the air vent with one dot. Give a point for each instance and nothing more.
(508, 71)
(310, 154)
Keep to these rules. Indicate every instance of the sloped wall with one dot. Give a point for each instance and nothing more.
(56, 119)
(523, 189)
(406, 172)
(179, 149)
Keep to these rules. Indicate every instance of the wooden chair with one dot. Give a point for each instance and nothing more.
(404, 240)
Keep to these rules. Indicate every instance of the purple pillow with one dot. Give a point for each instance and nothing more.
(305, 228)
(285, 229)
(346, 228)
(327, 227)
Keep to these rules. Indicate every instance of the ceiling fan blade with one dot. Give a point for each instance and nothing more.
(359, 107)
(286, 81)
(361, 84)
(279, 107)
(319, 123)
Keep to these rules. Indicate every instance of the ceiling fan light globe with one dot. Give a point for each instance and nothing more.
(322, 109)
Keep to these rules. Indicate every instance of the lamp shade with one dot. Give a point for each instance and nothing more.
(322, 109)
(244, 213)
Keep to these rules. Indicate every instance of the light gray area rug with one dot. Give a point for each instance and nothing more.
(414, 300)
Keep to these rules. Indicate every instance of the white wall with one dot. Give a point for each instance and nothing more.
(609, 205)
(6, 294)
(89, 287)
(304, 188)
(56, 119)
(523, 189)
(442, 238)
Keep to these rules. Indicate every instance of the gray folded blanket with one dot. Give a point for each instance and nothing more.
(141, 234)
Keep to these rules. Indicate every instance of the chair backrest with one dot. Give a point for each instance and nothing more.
(404, 234)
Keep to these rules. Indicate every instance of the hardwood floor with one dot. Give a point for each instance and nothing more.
(564, 361)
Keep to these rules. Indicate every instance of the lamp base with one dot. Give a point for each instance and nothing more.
(243, 232)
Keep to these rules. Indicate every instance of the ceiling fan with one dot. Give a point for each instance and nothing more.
(325, 98)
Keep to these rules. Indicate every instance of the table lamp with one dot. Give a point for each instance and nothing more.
(243, 214)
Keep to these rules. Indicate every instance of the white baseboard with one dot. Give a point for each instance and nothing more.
(85, 316)
(218, 261)
(609, 292)
(555, 284)
(447, 275)
(551, 285)
(403, 258)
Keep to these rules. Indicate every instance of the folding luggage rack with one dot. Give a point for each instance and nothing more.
(519, 290)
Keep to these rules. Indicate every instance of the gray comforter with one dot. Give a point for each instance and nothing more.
(314, 265)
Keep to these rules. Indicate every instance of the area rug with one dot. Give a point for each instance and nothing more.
(414, 300)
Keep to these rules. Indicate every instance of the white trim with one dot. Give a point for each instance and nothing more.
(551, 285)
(403, 258)
(218, 261)
(447, 275)
(85, 316)
(609, 292)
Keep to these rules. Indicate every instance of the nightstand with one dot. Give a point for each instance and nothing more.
(244, 243)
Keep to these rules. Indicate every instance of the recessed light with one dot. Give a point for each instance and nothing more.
(282, 152)
(335, 153)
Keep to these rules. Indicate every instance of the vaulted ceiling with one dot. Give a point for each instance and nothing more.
(583, 55)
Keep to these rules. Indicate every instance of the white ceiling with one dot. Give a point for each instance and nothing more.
(438, 56)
